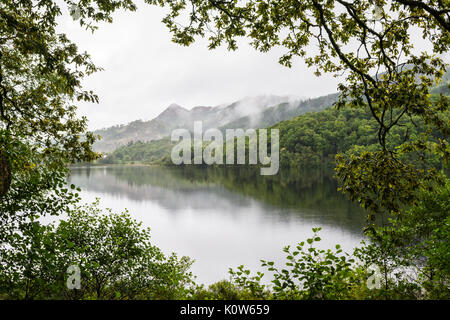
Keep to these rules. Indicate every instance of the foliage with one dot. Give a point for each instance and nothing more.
(370, 43)
(309, 140)
(397, 184)
(37, 187)
(41, 75)
(309, 273)
(437, 271)
(314, 139)
(222, 290)
(312, 273)
(140, 152)
(112, 251)
(419, 242)
(40, 78)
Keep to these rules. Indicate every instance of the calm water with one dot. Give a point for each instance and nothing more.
(225, 217)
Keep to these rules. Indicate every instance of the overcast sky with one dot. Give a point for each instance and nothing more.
(145, 72)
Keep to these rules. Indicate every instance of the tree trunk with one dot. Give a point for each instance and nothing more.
(5, 173)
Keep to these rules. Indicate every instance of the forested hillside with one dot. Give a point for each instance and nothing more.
(315, 138)
(311, 139)
(284, 111)
(140, 152)
(129, 144)
(176, 116)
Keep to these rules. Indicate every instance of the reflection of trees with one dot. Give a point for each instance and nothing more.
(311, 194)
(303, 189)
(156, 184)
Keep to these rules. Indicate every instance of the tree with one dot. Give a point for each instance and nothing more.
(367, 42)
(112, 251)
(41, 75)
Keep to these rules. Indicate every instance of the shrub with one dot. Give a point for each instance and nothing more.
(112, 251)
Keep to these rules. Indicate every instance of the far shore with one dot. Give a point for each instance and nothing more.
(100, 165)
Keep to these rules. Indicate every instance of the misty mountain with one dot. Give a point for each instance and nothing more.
(141, 151)
(251, 112)
(176, 116)
(281, 112)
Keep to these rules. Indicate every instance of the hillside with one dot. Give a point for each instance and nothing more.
(310, 131)
(176, 116)
(142, 141)
(140, 152)
(311, 139)
(281, 112)
(314, 139)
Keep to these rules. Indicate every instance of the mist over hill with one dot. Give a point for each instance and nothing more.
(249, 110)
(153, 136)
(248, 113)
(281, 112)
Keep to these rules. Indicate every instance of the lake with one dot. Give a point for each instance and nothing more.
(225, 217)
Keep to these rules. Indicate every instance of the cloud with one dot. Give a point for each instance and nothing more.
(145, 72)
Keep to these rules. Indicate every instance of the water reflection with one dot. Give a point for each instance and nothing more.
(224, 217)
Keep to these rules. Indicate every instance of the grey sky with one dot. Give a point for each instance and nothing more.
(145, 72)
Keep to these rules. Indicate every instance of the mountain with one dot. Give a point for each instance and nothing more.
(117, 136)
(281, 112)
(176, 116)
(149, 141)
(140, 151)
(311, 138)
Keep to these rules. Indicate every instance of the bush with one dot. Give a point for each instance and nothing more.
(112, 251)
(222, 290)
(309, 273)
